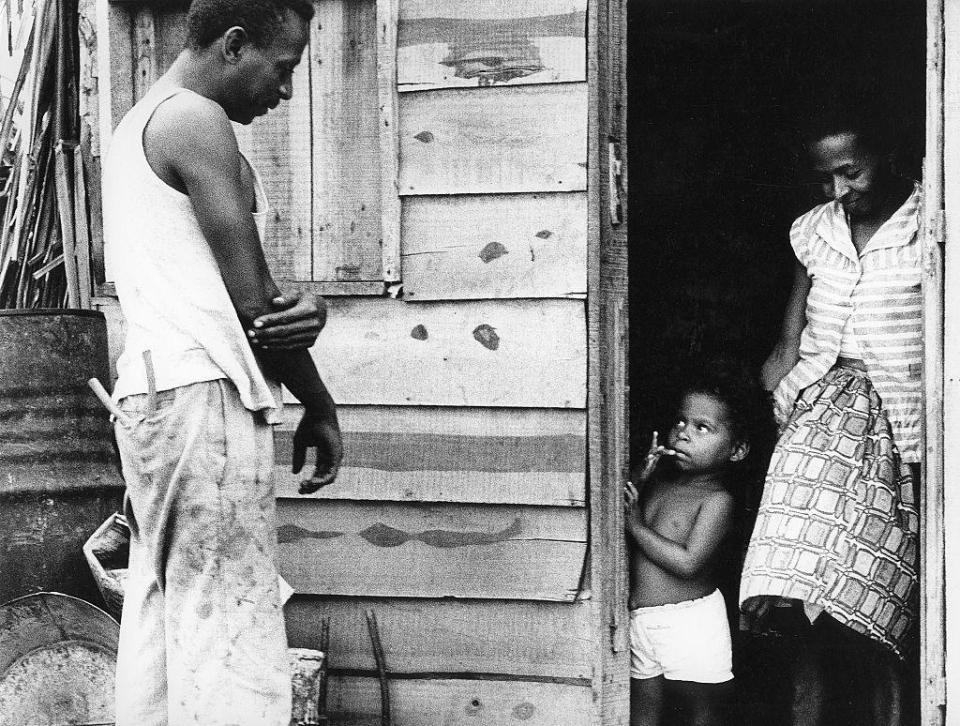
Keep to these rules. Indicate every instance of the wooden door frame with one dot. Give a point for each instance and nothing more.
(608, 326)
(932, 602)
(942, 585)
(607, 374)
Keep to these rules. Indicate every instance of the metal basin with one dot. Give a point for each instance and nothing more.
(57, 661)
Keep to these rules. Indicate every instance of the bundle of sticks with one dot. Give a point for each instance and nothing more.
(45, 214)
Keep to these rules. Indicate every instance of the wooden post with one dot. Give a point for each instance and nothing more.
(145, 51)
(607, 421)
(951, 353)
(932, 615)
(65, 210)
(81, 228)
(387, 19)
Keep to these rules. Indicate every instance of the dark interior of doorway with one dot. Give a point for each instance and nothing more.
(715, 88)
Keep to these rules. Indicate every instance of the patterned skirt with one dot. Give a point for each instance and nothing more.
(837, 526)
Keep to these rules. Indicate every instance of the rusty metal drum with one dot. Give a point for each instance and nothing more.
(59, 475)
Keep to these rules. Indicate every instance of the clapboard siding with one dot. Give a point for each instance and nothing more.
(346, 143)
(494, 140)
(431, 550)
(494, 246)
(439, 454)
(527, 353)
(537, 639)
(492, 42)
(447, 702)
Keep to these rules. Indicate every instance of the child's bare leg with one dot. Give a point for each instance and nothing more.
(646, 701)
(703, 704)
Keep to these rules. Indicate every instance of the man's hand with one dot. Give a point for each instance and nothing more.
(319, 432)
(295, 325)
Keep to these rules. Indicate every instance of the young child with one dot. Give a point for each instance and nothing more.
(677, 517)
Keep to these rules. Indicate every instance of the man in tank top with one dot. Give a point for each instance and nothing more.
(202, 636)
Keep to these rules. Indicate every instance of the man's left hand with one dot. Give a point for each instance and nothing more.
(324, 434)
(295, 325)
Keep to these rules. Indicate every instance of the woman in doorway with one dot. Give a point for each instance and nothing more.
(835, 541)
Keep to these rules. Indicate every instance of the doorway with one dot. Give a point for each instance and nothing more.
(714, 91)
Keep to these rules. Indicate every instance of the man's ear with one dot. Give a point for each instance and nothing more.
(740, 451)
(232, 43)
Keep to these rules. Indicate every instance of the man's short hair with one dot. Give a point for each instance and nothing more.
(207, 20)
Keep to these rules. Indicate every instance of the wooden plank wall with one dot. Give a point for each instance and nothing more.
(346, 147)
(460, 516)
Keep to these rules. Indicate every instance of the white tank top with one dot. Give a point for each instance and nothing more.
(173, 298)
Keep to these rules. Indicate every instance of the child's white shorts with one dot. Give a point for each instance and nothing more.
(684, 641)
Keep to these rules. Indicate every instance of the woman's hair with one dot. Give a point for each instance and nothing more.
(207, 20)
(845, 111)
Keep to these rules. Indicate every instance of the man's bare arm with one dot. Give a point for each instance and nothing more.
(192, 139)
(687, 559)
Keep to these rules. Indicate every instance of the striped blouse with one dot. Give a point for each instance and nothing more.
(880, 289)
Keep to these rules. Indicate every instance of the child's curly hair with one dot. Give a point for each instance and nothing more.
(731, 382)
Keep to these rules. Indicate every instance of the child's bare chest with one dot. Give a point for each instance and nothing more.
(672, 513)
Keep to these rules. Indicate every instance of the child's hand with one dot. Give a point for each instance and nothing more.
(631, 504)
(653, 458)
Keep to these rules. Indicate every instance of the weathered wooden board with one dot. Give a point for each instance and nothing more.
(356, 701)
(494, 246)
(548, 640)
(441, 454)
(171, 29)
(388, 103)
(492, 140)
(431, 550)
(120, 69)
(146, 50)
(490, 42)
(346, 145)
(278, 147)
(529, 353)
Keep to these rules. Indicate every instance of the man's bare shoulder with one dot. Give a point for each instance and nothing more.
(189, 137)
(189, 120)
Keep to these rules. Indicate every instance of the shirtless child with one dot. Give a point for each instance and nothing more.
(677, 516)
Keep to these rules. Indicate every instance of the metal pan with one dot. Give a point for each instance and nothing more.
(57, 661)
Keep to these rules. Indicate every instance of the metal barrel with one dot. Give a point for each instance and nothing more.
(59, 474)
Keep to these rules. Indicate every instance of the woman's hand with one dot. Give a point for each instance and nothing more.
(778, 364)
